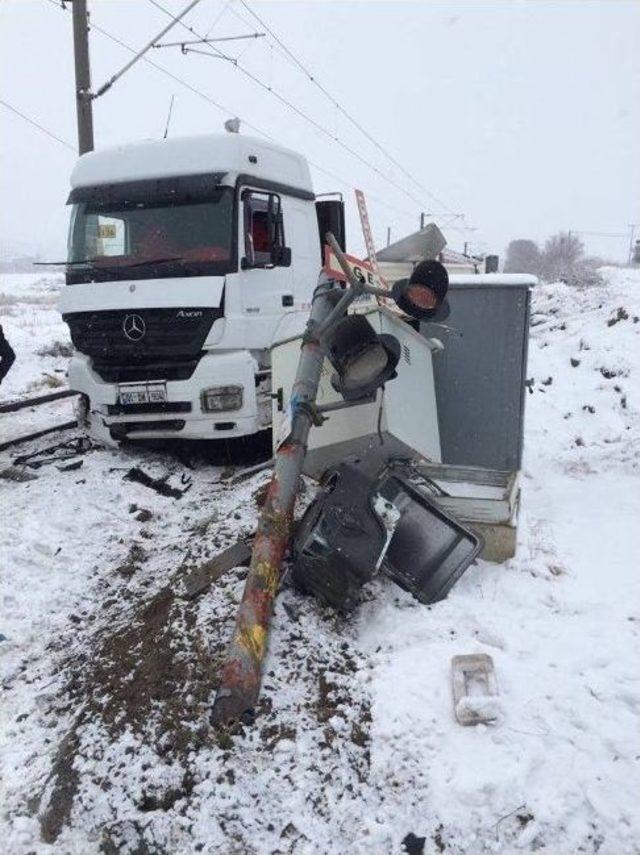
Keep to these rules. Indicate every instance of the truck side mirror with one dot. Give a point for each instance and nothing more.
(330, 214)
(281, 256)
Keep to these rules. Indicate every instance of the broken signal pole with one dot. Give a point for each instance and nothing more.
(241, 676)
(242, 671)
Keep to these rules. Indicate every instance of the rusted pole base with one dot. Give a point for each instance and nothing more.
(241, 675)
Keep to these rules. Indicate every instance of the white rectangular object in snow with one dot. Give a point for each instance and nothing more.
(405, 416)
(475, 689)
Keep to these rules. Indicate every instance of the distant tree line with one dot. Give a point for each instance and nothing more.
(562, 259)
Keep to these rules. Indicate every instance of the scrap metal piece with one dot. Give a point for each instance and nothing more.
(55, 453)
(425, 243)
(248, 472)
(201, 579)
(475, 689)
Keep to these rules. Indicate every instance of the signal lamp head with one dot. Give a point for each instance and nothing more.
(424, 292)
(363, 360)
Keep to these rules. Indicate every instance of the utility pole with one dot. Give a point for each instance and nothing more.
(388, 235)
(84, 107)
(422, 219)
(632, 231)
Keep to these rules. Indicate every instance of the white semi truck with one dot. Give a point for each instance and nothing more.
(187, 259)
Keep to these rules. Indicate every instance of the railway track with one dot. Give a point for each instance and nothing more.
(23, 403)
(37, 401)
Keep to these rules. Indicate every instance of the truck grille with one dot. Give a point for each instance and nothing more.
(177, 369)
(141, 335)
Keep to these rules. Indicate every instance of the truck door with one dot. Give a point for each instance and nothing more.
(267, 283)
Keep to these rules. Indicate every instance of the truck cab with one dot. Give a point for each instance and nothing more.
(187, 259)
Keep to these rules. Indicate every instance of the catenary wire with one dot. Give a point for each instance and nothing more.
(227, 111)
(289, 105)
(313, 79)
(37, 125)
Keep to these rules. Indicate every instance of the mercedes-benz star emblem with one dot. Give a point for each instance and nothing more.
(134, 327)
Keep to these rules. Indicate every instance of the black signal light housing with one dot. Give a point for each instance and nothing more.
(363, 359)
(422, 296)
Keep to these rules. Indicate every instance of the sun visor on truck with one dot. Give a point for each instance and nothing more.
(181, 188)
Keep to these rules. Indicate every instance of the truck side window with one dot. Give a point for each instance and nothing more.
(263, 227)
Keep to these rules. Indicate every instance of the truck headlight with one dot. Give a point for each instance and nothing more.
(219, 399)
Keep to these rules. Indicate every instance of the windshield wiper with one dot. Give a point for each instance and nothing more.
(61, 263)
(100, 258)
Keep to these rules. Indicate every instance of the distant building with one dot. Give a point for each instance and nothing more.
(397, 260)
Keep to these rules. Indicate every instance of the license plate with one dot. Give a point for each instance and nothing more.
(156, 394)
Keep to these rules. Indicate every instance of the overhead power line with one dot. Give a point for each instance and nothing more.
(37, 125)
(289, 105)
(206, 40)
(313, 79)
(602, 234)
(226, 110)
(139, 54)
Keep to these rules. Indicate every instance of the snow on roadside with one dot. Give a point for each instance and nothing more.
(560, 621)
(109, 674)
(33, 327)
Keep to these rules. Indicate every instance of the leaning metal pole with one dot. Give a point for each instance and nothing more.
(242, 671)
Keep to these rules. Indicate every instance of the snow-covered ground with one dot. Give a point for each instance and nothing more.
(109, 675)
(42, 345)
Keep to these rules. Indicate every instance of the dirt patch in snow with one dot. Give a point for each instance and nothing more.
(147, 681)
(153, 677)
(64, 784)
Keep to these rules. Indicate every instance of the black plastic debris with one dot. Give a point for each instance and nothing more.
(71, 467)
(413, 845)
(430, 549)
(14, 473)
(340, 539)
(158, 484)
(370, 518)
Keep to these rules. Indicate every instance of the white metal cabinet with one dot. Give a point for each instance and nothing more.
(404, 416)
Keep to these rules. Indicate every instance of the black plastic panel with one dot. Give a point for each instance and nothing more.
(165, 333)
(130, 373)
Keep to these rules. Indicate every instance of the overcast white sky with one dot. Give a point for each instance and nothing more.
(523, 115)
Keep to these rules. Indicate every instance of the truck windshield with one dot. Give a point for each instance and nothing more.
(150, 239)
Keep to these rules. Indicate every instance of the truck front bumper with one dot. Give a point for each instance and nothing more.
(181, 415)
